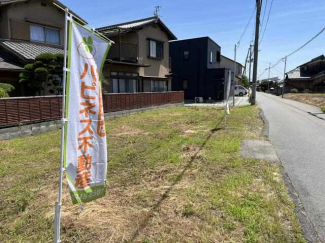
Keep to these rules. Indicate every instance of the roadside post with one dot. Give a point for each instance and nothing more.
(227, 107)
(268, 80)
(284, 75)
(234, 83)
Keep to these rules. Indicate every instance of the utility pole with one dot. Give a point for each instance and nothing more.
(284, 75)
(246, 60)
(250, 63)
(233, 87)
(257, 31)
(268, 80)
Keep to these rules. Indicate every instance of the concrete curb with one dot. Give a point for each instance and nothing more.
(41, 127)
(266, 127)
(308, 229)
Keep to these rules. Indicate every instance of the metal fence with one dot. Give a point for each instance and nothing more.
(25, 110)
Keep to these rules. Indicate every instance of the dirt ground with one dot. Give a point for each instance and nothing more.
(310, 99)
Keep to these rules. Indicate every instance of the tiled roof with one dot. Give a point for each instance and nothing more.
(130, 25)
(28, 50)
(6, 63)
(136, 24)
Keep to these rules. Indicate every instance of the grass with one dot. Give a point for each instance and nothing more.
(175, 175)
(310, 99)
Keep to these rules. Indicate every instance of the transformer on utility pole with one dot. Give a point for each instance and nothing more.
(257, 31)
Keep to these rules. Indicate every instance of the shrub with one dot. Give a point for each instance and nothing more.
(323, 109)
(306, 91)
(5, 89)
(294, 91)
(44, 73)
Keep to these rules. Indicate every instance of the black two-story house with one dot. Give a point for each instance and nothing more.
(196, 69)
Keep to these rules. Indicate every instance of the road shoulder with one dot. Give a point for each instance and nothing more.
(308, 228)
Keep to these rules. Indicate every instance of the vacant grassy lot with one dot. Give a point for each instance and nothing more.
(310, 99)
(175, 175)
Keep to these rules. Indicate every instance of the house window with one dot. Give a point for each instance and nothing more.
(125, 82)
(125, 85)
(186, 55)
(115, 85)
(156, 49)
(185, 84)
(42, 34)
(211, 57)
(218, 56)
(158, 86)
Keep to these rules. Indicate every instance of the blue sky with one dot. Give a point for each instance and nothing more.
(291, 24)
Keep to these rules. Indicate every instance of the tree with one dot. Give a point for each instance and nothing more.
(5, 89)
(44, 74)
(245, 82)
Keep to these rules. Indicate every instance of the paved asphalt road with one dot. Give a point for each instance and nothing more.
(299, 140)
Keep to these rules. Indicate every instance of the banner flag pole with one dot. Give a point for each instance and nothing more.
(57, 217)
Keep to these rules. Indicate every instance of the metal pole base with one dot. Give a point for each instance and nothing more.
(57, 222)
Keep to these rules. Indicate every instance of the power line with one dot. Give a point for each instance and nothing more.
(263, 16)
(242, 35)
(267, 21)
(318, 34)
(301, 47)
(262, 73)
(276, 64)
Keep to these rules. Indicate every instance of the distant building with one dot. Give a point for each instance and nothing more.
(308, 76)
(197, 68)
(228, 63)
(139, 60)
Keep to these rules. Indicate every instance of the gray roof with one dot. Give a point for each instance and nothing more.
(28, 50)
(136, 24)
(130, 25)
(7, 63)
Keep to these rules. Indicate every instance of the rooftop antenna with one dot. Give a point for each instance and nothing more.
(157, 9)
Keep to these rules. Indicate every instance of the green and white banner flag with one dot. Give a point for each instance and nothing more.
(85, 151)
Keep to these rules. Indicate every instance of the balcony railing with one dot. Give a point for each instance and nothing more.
(124, 52)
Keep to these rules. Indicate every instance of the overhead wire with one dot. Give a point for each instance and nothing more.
(318, 34)
(267, 21)
(295, 51)
(249, 21)
(261, 24)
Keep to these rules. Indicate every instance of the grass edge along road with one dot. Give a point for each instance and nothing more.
(175, 175)
(310, 99)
